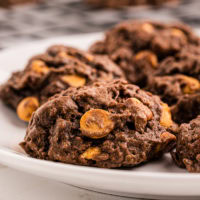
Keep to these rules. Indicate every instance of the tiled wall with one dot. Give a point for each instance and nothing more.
(61, 17)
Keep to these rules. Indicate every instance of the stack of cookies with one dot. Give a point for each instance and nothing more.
(132, 97)
(163, 59)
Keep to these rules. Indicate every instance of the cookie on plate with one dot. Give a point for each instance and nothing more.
(122, 3)
(185, 62)
(47, 74)
(139, 47)
(173, 87)
(177, 82)
(187, 153)
(108, 124)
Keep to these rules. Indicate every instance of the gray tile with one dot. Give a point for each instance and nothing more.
(60, 17)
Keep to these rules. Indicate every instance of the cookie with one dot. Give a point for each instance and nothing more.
(108, 124)
(47, 74)
(177, 83)
(187, 153)
(139, 47)
(184, 62)
(122, 3)
(174, 87)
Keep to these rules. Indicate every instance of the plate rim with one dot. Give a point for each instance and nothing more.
(114, 172)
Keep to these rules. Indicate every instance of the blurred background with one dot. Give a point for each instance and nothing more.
(39, 19)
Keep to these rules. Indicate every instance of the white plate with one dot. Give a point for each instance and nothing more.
(159, 179)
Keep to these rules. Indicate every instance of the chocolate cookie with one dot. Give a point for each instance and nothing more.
(139, 47)
(172, 88)
(50, 73)
(122, 3)
(187, 153)
(177, 83)
(185, 62)
(108, 124)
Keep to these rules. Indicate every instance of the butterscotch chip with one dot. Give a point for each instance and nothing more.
(96, 123)
(149, 56)
(63, 54)
(74, 80)
(39, 67)
(166, 118)
(26, 107)
(91, 153)
(90, 57)
(166, 136)
(148, 28)
(192, 84)
(177, 32)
